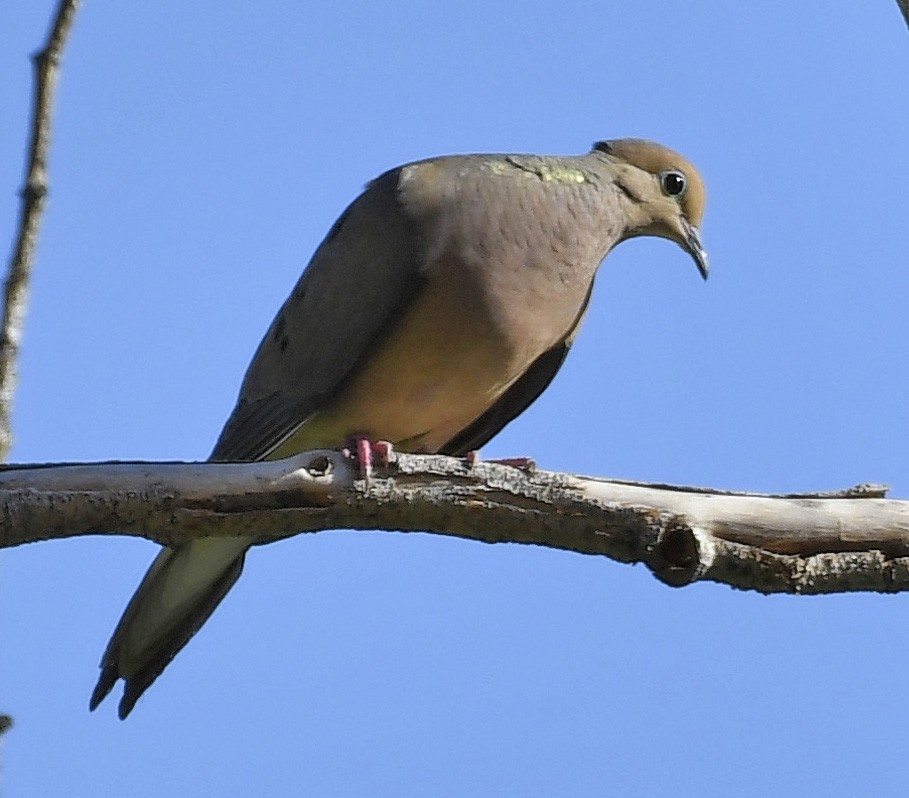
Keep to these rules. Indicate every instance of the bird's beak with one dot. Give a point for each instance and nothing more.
(694, 246)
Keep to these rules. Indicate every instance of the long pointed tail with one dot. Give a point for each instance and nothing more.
(179, 592)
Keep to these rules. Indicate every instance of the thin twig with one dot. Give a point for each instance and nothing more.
(34, 193)
(46, 64)
(904, 7)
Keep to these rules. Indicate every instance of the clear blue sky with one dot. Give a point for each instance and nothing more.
(199, 156)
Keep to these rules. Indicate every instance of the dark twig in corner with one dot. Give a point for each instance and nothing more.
(904, 7)
(34, 193)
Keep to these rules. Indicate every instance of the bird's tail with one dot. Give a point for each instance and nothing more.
(180, 590)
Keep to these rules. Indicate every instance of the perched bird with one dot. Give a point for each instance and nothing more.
(438, 307)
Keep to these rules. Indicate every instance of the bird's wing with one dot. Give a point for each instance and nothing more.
(360, 279)
(365, 271)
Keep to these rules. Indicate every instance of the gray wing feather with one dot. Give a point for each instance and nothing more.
(364, 272)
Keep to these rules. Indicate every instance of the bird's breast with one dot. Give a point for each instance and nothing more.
(507, 268)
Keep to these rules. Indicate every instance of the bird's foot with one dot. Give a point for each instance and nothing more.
(526, 464)
(368, 453)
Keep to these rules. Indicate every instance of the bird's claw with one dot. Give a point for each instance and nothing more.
(525, 464)
(368, 453)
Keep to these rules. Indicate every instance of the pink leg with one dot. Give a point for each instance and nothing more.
(382, 452)
(366, 452)
(364, 458)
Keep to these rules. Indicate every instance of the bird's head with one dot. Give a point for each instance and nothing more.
(665, 193)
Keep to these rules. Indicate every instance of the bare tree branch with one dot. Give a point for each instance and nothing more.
(34, 193)
(817, 543)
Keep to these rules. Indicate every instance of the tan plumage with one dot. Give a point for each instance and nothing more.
(438, 307)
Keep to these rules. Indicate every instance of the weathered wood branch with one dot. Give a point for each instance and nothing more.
(34, 195)
(817, 543)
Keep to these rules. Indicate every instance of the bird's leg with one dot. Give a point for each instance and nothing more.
(359, 447)
(523, 463)
(367, 452)
(382, 452)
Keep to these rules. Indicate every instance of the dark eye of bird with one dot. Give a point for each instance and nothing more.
(673, 183)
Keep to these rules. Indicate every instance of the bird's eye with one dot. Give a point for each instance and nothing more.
(673, 183)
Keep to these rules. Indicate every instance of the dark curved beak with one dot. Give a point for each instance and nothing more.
(695, 247)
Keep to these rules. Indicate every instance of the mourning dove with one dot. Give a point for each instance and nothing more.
(438, 307)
